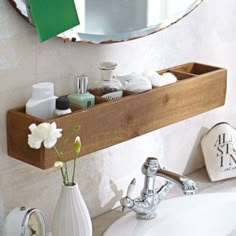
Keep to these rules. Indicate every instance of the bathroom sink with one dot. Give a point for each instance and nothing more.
(211, 214)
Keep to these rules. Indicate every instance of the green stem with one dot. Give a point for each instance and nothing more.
(59, 159)
(73, 176)
(66, 173)
(68, 138)
(59, 154)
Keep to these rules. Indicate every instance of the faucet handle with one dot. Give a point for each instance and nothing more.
(129, 194)
(165, 189)
(150, 166)
(131, 188)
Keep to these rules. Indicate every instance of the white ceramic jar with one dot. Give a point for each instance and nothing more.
(42, 102)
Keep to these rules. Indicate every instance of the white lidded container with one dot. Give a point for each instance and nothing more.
(42, 102)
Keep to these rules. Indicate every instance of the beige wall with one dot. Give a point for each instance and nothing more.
(207, 35)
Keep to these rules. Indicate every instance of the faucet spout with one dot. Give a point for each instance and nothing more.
(187, 185)
(152, 168)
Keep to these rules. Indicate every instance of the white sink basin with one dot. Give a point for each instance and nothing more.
(198, 215)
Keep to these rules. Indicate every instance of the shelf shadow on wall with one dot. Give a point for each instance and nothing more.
(196, 153)
(97, 202)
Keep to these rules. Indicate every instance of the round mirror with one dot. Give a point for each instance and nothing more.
(107, 21)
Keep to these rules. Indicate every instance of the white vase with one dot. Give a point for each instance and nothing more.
(71, 216)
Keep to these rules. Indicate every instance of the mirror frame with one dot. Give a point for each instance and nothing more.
(120, 37)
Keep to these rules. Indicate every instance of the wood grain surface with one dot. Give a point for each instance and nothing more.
(199, 89)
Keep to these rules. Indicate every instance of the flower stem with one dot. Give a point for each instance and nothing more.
(73, 175)
(66, 174)
(62, 172)
(76, 128)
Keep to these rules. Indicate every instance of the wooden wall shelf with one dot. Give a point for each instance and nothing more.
(199, 88)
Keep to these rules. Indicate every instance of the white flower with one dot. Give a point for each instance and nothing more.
(44, 132)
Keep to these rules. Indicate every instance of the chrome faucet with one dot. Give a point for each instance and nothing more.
(146, 205)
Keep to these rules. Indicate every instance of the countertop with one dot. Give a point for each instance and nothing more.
(101, 223)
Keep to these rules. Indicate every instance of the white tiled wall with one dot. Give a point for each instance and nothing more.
(207, 35)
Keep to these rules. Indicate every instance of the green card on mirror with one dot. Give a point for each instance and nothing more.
(52, 17)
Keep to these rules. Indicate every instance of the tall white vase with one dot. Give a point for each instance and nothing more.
(71, 216)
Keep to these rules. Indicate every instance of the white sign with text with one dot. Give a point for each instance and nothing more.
(219, 150)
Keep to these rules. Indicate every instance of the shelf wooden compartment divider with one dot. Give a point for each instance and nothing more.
(199, 89)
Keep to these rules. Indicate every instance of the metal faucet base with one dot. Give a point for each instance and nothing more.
(150, 216)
